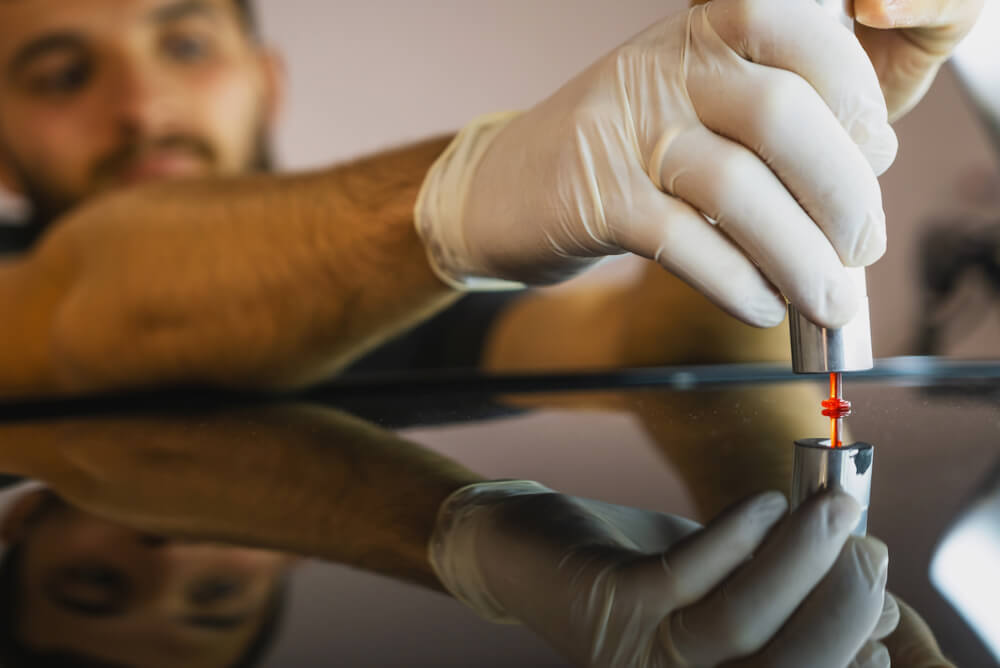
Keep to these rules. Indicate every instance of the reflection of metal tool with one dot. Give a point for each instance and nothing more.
(817, 466)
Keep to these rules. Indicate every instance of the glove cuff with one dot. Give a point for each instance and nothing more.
(441, 203)
(453, 545)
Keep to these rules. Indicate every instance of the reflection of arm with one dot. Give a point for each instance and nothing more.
(257, 281)
(725, 445)
(305, 480)
(728, 444)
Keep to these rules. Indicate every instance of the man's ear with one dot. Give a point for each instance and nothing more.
(15, 522)
(8, 182)
(8, 175)
(273, 76)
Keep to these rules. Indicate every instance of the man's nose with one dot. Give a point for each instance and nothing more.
(144, 102)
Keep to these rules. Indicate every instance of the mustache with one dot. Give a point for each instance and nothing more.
(131, 152)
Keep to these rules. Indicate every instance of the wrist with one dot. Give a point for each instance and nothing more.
(454, 544)
(441, 203)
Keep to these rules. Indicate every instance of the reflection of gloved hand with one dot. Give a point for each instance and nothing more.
(912, 645)
(615, 586)
(765, 116)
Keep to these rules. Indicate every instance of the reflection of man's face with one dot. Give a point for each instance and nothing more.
(96, 589)
(98, 94)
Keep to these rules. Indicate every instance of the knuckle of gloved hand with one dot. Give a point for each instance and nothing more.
(826, 301)
(778, 103)
(871, 562)
(672, 235)
(858, 233)
(755, 304)
(732, 169)
(888, 619)
(872, 655)
(854, 588)
(870, 130)
(740, 21)
(753, 518)
(870, 242)
(829, 518)
(764, 309)
(676, 527)
(739, 639)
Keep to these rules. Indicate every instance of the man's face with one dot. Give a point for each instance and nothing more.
(100, 590)
(100, 94)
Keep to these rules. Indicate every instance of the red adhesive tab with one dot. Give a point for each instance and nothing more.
(836, 408)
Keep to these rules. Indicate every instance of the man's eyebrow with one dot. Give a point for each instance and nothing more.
(49, 43)
(183, 9)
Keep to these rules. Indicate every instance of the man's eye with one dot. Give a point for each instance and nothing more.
(64, 80)
(214, 590)
(186, 48)
(92, 589)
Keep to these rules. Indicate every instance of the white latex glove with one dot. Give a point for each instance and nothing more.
(615, 586)
(737, 144)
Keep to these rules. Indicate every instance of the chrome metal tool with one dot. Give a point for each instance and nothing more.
(817, 467)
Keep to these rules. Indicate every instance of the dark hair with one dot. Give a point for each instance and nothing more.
(14, 653)
(245, 9)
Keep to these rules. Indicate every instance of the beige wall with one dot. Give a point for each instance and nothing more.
(366, 74)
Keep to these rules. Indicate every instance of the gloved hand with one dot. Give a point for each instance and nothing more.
(615, 586)
(909, 41)
(737, 144)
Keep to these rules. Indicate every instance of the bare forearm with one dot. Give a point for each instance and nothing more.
(261, 281)
(27, 306)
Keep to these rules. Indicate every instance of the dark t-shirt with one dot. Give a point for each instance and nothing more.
(16, 239)
(451, 339)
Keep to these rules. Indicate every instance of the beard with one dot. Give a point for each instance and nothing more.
(47, 202)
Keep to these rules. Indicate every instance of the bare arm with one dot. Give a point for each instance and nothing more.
(261, 281)
(307, 480)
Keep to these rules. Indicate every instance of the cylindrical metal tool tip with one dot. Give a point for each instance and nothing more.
(818, 349)
(817, 466)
